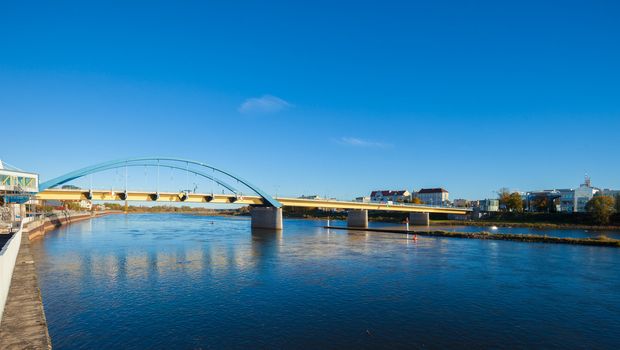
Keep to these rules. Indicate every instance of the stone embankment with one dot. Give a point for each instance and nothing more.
(598, 241)
(39, 226)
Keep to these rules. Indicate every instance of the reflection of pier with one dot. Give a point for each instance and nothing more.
(213, 258)
(122, 265)
(265, 246)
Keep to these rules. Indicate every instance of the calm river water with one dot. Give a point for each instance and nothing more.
(181, 281)
(566, 233)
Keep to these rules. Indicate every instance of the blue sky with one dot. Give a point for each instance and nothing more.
(319, 97)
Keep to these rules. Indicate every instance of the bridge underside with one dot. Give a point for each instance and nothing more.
(136, 196)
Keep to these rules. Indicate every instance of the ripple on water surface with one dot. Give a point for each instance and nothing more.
(182, 281)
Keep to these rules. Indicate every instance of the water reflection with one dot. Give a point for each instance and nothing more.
(265, 243)
(193, 282)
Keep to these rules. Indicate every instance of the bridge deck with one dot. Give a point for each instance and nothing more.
(107, 195)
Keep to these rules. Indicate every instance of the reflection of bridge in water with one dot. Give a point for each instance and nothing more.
(193, 256)
(266, 211)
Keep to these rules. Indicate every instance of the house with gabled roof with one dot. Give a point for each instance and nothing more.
(390, 196)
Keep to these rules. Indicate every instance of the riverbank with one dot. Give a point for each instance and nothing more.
(434, 222)
(599, 241)
(40, 226)
(24, 325)
(541, 225)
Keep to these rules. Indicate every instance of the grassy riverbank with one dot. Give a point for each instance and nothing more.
(542, 220)
(527, 220)
(539, 225)
(598, 241)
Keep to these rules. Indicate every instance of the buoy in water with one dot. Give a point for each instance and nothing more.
(494, 228)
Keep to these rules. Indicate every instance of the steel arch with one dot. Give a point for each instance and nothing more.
(193, 171)
(145, 161)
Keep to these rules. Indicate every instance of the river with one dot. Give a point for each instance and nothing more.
(194, 282)
(551, 232)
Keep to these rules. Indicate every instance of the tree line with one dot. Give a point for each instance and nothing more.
(601, 208)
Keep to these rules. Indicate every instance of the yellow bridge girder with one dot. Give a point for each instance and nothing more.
(139, 196)
(336, 204)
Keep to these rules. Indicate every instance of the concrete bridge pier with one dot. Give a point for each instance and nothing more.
(419, 219)
(357, 218)
(266, 218)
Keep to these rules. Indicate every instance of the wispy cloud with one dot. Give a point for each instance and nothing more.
(357, 142)
(263, 105)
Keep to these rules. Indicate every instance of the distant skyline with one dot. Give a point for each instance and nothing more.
(320, 97)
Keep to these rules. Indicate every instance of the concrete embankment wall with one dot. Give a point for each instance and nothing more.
(23, 324)
(8, 255)
(38, 227)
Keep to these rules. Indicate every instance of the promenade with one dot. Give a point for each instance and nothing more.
(24, 325)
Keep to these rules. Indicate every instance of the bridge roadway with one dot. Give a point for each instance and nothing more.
(263, 216)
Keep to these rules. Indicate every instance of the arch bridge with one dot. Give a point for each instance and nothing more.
(266, 210)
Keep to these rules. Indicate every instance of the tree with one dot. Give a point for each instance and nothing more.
(72, 205)
(510, 201)
(540, 204)
(504, 197)
(416, 200)
(515, 203)
(618, 203)
(601, 208)
(113, 206)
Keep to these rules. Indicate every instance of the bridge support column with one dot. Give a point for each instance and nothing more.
(267, 217)
(420, 219)
(357, 218)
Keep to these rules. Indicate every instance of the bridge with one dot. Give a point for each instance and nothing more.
(266, 211)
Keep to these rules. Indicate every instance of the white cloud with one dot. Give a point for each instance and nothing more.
(264, 104)
(357, 142)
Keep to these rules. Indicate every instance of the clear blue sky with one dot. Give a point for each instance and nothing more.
(320, 97)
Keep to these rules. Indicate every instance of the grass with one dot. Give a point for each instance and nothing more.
(598, 241)
(537, 225)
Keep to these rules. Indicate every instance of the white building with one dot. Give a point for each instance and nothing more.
(489, 205)
(574, 200)
(16, 181)
(86, 204)
(313, 196)
(583, 194)
(610, 193)
(461, 203)
(567, 200)
(390, 196)
(433, 196)
(16, 190)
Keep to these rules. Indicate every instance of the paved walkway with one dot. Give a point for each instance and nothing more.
(23, 323)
